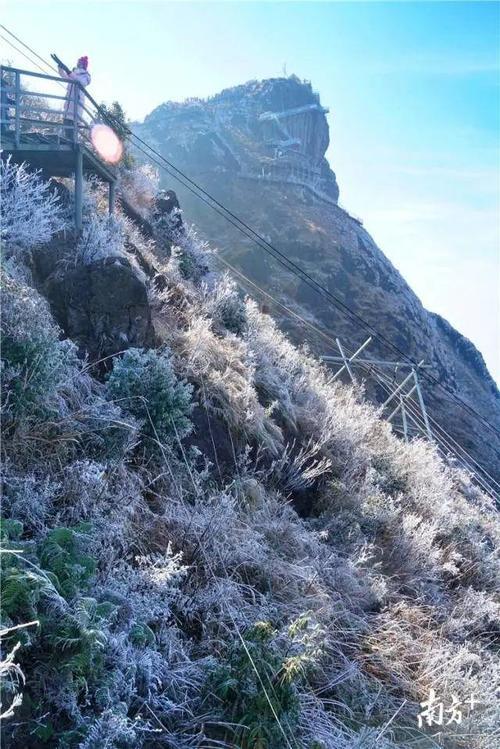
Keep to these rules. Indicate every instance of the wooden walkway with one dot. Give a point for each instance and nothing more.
(34, 132)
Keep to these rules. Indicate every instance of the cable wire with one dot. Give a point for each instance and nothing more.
(262, 242)
(371, 371)
(282, 258)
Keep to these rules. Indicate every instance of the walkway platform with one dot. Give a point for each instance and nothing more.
(34, 132)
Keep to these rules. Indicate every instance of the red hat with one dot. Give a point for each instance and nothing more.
(83, 62)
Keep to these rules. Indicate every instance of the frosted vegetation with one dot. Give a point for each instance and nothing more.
(305, 586)
(31, 214)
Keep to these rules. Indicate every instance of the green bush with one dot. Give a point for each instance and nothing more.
(254, 685)
(45, 583)
(35, 362)
(61, 554)
(144, 384)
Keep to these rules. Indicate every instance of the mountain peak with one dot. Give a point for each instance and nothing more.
(272, 130)
(259, 148)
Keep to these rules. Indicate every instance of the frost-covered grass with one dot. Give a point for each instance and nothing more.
(182, 606)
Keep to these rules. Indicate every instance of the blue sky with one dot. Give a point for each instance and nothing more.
(414, 97)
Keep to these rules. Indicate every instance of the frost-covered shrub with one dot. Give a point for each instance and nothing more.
(44, 582)
(28, 498)
(224, 372)
(34, 361)
(191, 257)
(12, 680)
(114, 729)
(102, 237)
(51, 407)
(300, 390)
(139, 185)
(31, 213)
(150, 585)
(145, 385)
(476, 615)
(256, 684)
(222, 304)
(299, 467)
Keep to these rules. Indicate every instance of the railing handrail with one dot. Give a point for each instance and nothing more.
(81, 111)
(47, 77)
(58, 79)
(41, 94)
(34, 74)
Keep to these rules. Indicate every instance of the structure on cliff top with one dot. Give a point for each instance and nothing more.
(260, 149)
(274, 130)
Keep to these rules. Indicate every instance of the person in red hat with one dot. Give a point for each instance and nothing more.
(73, 105)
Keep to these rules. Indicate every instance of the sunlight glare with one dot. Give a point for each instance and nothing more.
(107, 144)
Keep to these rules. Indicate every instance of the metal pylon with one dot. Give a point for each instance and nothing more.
(407, 411)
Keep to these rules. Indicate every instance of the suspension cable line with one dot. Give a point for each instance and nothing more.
(274, 252)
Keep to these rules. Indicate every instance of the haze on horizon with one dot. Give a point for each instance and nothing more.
(413, 91)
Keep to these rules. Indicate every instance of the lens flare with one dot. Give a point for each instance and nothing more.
(106, 143)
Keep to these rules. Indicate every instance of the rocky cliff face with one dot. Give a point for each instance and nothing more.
(260, 149)
(273, 130)
(102, 306)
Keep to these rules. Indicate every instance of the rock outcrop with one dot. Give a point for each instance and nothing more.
(102, 306)
(274, 130)
(259, 149)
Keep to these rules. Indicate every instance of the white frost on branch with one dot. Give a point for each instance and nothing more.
(102, 237)
(31, 212)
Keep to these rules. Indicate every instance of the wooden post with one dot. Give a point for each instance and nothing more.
(112, 192)
(78, 189)
(75, 111)
(17, 134)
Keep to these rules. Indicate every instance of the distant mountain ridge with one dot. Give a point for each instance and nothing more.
(259, 148)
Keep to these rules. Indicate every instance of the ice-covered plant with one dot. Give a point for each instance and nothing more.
(256, 684)
(51, 407)
(27, 497)
(145, 385)
(102, 237)
(139, 186)
(223, 370)
(12, 680)
(113, 728)
(46, 584)
(62, 552)
(31, 212)
(190, 253)
(150, 585)
(299, 467)
(34, 360)
(223, 305)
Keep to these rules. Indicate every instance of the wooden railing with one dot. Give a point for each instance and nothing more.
(26, 110)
